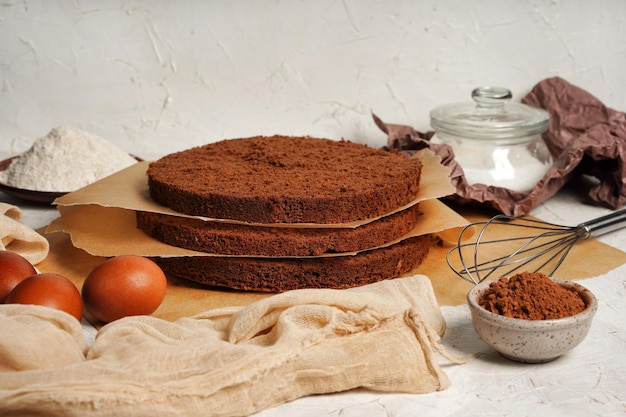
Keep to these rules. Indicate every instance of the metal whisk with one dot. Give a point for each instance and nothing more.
(542, 246)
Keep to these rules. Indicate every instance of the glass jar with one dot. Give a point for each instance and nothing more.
(495, 141)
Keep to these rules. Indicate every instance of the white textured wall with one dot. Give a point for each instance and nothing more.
(160, 76)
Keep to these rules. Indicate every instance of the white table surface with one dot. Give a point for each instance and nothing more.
(588, 381)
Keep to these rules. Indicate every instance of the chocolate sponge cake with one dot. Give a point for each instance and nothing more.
(274, 212)
(241, 239)
(282, 179)
(277, 275)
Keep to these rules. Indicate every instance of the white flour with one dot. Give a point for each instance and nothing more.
(520, 171)
(517, 167)
(65, 160)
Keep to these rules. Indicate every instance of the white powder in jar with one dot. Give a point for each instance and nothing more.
(65, 160)
(517, 166)
(518, 171)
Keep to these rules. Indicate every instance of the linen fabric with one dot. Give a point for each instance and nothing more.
(16, 237)
(229, 361)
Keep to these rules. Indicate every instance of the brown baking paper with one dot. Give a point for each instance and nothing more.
(112, 231)
(128, 189)
(101, 217)
(584, 137)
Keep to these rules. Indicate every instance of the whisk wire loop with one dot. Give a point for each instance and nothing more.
(542, 246)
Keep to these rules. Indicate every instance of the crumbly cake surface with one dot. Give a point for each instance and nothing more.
(283, 274)
(283, 179)
(241, 239)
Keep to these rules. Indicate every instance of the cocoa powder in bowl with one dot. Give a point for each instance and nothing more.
(531, 296)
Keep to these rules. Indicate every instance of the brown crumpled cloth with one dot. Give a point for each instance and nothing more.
(230, 361)
(584, 137)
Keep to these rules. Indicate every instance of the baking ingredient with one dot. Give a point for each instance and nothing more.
(517, 167)
(495, 141)
(65, 160)
(14, 268)
(518, 171)
(51, 290)
(125, 285)
(531, 296)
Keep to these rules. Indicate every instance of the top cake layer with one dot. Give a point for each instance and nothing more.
(283, 179)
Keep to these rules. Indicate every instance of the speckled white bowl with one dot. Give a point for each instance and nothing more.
(532, 341)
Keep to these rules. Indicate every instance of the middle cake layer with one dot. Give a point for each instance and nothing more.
(246, 240)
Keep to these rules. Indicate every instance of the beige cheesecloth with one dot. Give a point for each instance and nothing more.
(16, 237)
(225, 362)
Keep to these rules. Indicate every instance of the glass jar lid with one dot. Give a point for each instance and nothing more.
(491, 116)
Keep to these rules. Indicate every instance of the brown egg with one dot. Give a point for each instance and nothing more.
(51, 290)
(14, 268)
(123, 286)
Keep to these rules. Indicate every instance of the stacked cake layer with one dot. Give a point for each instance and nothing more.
(279, 213)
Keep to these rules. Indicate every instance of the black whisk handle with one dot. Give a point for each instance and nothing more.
(605, 224)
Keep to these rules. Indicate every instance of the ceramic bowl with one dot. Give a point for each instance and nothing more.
(532, 341)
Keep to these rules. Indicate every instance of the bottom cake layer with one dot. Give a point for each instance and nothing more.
(283, 274)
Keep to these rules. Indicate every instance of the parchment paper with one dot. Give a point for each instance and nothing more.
(128, 189)
(112, 231)
(101, 217)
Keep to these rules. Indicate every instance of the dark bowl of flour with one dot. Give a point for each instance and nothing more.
(64, 160)
(34, 196)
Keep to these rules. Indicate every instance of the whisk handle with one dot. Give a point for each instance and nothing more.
(605, 224)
